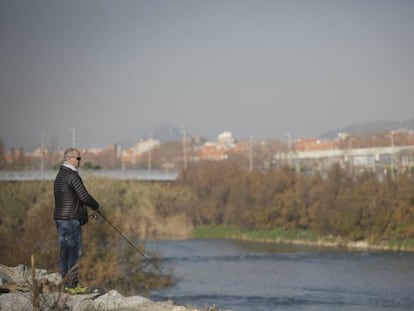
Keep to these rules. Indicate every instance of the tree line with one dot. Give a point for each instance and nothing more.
(359, 207)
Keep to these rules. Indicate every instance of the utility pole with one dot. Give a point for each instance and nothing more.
(149, 154)
(184, 146)
(289, 148)
(392, 156)
(350, 157)
(73, 137)
(123, 160)
(251, 154)
(42, 144)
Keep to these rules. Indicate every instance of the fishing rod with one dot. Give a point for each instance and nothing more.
(149, 260)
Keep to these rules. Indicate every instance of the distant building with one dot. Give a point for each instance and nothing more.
(144, 146)
(225, 141)
(210, 151)
(217, 151)
(138, 150)
(315, 154)
(313, 144)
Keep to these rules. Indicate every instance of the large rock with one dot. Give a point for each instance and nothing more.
(17, 293)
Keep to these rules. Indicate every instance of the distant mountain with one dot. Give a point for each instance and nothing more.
(166, 133)
(370, 127)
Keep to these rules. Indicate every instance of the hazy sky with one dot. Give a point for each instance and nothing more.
(116, 70)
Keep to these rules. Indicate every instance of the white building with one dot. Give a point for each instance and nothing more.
(144, 146)
(225, 140)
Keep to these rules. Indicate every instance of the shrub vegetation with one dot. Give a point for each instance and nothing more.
(353, 208)
(27, 227)
(220, 198)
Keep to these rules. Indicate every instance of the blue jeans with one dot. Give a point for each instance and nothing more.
(70, 244)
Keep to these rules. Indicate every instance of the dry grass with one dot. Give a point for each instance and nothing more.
(137, 209)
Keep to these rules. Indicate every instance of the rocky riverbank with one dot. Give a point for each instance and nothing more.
(21, 288)
(338, 243)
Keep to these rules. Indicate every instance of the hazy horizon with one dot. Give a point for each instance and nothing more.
(116, 70)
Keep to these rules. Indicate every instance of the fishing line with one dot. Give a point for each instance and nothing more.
(128, 241)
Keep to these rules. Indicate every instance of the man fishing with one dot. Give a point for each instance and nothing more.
(71, 197)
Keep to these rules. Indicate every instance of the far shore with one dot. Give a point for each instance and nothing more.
(233, 233)
(351, 245)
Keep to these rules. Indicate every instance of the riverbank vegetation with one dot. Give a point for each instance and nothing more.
(234, 232)
(337, 206)
(220, 198)
(138, 210)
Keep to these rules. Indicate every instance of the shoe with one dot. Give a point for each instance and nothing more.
(78, 290)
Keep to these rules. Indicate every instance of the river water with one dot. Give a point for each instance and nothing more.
(251, 276)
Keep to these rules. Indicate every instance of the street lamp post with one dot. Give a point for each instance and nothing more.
(392, 156)
(289, 148)
(149, 154)
(73, 137)
(350, 156)
(42, 147)
(251, 154)
(184, 146)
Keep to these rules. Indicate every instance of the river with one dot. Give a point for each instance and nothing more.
(251, 276)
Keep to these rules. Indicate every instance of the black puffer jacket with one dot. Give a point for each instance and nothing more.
(69, 193)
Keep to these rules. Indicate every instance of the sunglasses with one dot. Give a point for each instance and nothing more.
(77, 158)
